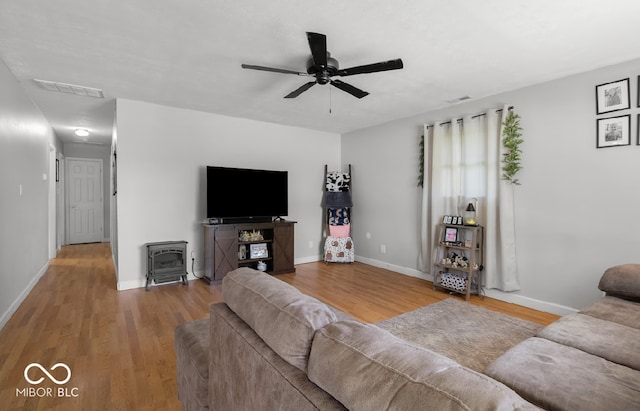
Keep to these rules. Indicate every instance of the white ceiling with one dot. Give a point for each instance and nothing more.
(187, 54)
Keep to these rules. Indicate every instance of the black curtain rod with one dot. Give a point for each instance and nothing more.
(477, 115)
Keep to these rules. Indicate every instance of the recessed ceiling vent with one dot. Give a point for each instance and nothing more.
(459, 99)
(69, 88)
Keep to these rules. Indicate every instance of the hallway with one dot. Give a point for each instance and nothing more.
(117, 344)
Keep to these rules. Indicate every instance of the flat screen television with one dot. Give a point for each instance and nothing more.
(238, 194)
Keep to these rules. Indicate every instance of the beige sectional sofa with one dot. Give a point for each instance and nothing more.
(585, 361)
(270, 347)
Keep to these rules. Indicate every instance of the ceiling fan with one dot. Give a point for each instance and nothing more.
(323, 67)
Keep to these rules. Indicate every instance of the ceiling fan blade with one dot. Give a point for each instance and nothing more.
(318, 46)
(372, 68)
(295, 93)
(354, 91)
(274, 70)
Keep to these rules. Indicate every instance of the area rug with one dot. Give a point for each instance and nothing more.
(470, 335)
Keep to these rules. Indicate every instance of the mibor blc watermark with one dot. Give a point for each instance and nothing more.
(47, 390)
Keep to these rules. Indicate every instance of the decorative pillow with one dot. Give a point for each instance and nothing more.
(337, 181)
(339, 230)
(282, 316)
(621, 281)
(339, 216)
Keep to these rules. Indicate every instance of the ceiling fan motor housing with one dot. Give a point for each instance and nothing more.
(323, 74)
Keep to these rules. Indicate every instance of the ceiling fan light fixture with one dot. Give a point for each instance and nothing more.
(81, 132)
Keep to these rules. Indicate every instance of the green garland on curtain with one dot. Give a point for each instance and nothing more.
(511, 140)
(421, 163)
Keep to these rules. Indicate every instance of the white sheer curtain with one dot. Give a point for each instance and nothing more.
(463, 161)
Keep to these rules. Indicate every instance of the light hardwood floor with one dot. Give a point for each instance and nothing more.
(119, 344)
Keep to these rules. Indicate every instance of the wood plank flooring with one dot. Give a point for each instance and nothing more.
(119, 344)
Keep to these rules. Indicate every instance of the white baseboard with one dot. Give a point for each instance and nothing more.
(497, 294)
(142, 282)
(530, 302)
(396, 268)
(305, 260)
(131, 284)
(14, 306)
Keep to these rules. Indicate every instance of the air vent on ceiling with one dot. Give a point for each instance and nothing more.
(459, 99)
(70, 88)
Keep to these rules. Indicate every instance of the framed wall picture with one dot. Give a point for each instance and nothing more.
(613, 131)
(612, 96)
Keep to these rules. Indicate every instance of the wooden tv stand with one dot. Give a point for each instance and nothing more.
(223, 248)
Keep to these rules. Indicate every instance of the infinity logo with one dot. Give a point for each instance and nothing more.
(51, 377)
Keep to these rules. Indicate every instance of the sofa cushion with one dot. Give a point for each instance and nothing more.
(367, 368)
(622, 281)
(282, 316)
(615, 309)
(612, 341)
(558, 377)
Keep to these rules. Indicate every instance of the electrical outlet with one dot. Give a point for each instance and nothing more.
(193, 255)
(383, 248)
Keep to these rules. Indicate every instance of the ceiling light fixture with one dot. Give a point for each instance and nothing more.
(81, 132)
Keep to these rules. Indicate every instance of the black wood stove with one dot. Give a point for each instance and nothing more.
(166, 261)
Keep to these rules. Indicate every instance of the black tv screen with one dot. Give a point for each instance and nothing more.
(246, 193)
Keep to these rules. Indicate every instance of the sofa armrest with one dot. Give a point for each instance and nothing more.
(622, 281)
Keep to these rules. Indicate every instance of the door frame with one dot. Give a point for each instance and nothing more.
(52, 197)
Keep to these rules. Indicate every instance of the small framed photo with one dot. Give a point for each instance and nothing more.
(451, 234)
(258, 250)
(447, 219)
(612, 96)
(444, 219)
(613, 131)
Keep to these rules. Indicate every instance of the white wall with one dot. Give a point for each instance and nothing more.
(25, 137)
(162, 154)
(576, 208)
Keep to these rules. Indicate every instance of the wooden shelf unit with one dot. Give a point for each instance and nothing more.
(222, 248)
(469, 242)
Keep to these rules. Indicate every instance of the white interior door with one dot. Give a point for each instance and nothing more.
(85, 200)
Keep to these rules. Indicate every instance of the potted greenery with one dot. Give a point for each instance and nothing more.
(511, 140)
